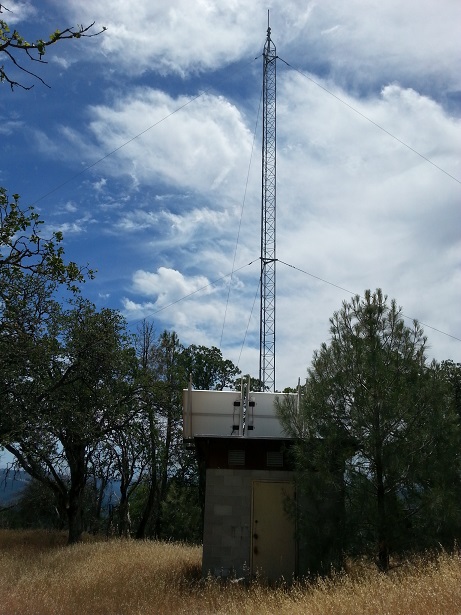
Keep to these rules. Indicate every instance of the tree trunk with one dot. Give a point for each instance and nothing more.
(75, 454)
(164, 472)
(124, 517)
(148, 509)
(75, 521)
(99, 498)
(151, 496)
(382, 522)
(383, 544)
(124, 522)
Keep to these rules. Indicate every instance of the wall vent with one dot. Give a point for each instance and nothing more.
(274, 459)
(236, 458)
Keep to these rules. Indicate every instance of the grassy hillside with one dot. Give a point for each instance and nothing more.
(39, 575)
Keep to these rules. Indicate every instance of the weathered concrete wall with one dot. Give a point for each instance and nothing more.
(227, 527)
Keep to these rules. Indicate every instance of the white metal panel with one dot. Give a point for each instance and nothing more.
(215, 413)
(212, 413)
(261, 418)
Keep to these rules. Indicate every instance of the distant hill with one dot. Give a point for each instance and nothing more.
(11, 485)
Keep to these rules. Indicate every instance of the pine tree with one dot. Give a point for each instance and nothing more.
(381, 435)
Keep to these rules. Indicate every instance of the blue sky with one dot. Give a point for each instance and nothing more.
(160, 217)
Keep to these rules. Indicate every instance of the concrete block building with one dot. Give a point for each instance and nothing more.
(249, 525)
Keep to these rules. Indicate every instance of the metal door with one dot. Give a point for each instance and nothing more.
(273, 550)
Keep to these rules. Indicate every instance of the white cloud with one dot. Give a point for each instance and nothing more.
(355, 207)
(10, 127)
(18, 11)
(194, 304)
(359, 43)
(136, 220)
(64, 63)
(68, 208)
(76, 227)
(168, 285)
(363, 211)
(100, 184)
(387, 41)
(179, 36)
(195, 144)
(198, 221)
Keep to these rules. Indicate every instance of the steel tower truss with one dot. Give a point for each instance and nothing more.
(268, 210)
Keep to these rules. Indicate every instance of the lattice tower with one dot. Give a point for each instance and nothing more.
(268, 211)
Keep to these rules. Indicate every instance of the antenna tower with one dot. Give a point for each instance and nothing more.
(268, 200)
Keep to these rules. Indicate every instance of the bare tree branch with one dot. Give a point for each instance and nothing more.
(13, 45)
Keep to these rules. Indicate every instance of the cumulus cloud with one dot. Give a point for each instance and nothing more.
(99, 185)
(183, 37)
(68, 208)
(136, 220)
(365, 211)
(357, 210)
(193, 143)
(18, 12)
(171, 123)
(360, 45)
(75, 227)
(64, 63)
(168, 285)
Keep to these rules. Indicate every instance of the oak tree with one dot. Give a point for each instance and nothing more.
(78, 390)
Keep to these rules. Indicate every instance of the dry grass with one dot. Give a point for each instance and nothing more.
(39, 575)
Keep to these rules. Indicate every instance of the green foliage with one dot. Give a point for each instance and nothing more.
(34, 508)
(167, 500)
(207, 368)
(255, 384)
(451, 374)
(161, 411)
(32, 267)
(182, 514)
(24, 250)
(76, 400)
(381, 433)
(13, 46)
(75, 389)
(37, 507)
